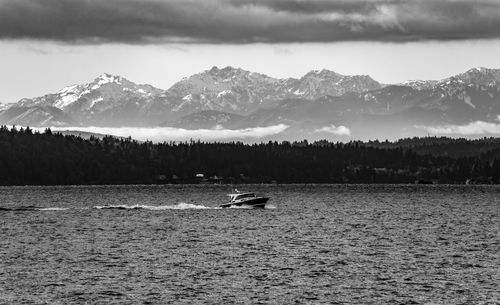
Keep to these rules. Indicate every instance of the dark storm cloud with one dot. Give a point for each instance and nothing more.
(248, 21)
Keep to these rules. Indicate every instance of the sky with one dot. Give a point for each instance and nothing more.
(48, 44)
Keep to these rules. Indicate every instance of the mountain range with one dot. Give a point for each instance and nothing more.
(320, 104)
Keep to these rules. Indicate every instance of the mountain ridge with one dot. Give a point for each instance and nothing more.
(227, 89)
(236, 98)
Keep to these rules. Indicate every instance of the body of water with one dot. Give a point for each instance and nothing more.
(314, 244)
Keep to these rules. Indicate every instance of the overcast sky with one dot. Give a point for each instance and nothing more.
(48, 44)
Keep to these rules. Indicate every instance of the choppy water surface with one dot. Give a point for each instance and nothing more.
(316, 244)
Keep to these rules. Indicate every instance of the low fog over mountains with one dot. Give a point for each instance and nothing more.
(321, 104)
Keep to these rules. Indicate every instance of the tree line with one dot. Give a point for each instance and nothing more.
(47, 158)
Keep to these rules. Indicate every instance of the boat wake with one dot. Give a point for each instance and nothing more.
(179, 206)
(250, 207)
(53, 209)
(243, 207)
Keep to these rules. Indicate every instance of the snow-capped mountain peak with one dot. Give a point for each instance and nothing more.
(108, 78)
(324, 73)
(229, 74)
(317, 83)
(67, 89)
(106, 95)
(105, 79)
(480, 76)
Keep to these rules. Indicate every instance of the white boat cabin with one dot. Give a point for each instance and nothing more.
(240, 196)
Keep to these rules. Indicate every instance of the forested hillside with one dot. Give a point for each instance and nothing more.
(28, 157)
(443, 146)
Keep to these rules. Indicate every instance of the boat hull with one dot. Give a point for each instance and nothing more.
(259, 202)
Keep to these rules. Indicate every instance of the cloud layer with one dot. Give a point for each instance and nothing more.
(471, 129)
(162, 134)
(248, 21)
(339, 131)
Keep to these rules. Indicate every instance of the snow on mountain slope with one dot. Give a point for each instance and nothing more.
(106, 87)
(420, 84)
(236, 97)
(480, 76)
(4, 106)
(228, 89)
(108, 99)
(316, 84)
(111, 100)
(239, 91)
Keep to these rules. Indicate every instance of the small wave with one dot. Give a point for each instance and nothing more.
(53, 209)
(179, 206)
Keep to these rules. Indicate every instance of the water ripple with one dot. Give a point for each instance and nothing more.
(319, 245)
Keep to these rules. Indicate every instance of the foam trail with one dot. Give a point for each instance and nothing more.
(249, 207)
(242, 207)
(179, 206)
(53, 209)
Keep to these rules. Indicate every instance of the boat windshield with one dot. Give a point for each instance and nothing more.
(247, 195)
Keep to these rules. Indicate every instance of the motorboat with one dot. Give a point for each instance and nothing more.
(246, 199)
